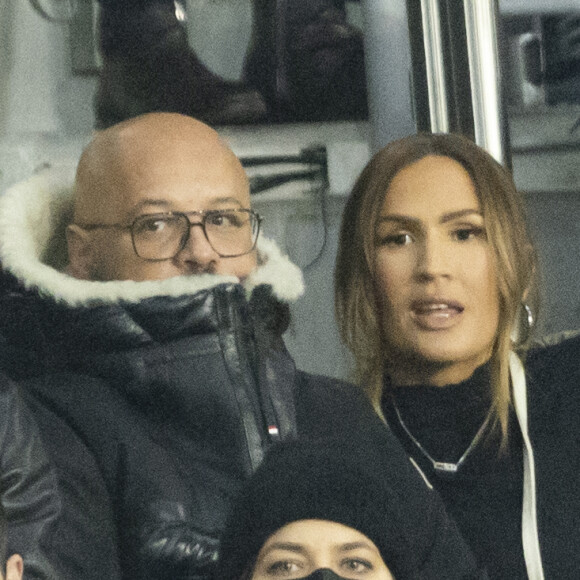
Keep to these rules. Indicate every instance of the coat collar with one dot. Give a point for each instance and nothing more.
(33, 217)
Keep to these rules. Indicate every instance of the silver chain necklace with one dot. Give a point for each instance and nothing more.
(442, 466)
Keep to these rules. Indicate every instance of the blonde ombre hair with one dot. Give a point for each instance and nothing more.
(502, 206)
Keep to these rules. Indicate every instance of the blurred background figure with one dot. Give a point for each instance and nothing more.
(305, 63)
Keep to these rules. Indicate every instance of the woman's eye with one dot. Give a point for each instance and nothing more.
(282, 568)
(468, 233)
(357, 565)
(395, 240)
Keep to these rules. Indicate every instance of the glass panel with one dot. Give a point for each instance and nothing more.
(226, 61)
(303, 57)
(541, 76)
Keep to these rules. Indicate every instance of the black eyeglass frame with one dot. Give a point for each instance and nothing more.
(204, 214)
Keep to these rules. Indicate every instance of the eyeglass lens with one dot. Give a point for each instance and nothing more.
(162, 236)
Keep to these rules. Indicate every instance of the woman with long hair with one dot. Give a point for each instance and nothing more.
(436, 294)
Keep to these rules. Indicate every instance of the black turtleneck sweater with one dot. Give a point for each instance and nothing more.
(485, 494)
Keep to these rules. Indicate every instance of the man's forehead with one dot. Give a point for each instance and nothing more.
(113, 181)
(167, 203)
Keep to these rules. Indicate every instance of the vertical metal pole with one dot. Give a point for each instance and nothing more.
(484, 73)
(435, 66)
(448, 43)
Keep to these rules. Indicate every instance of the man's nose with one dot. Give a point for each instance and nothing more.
(197, 252)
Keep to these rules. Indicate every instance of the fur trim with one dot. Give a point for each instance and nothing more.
(33, 215)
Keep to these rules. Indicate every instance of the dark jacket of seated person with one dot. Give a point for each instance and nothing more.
(10, 565)
(34, 519)
(158, 347)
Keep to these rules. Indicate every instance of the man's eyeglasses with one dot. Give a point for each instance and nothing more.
(161, 236)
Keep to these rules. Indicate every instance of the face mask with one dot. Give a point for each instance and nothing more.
(323, 574)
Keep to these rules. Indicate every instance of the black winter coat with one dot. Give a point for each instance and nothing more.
(53, 514)
(29, 490)
(553, 394)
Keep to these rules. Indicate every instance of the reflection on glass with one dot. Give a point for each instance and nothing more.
(232, 61)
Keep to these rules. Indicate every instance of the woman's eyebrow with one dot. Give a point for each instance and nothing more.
(286, 546)
(445, 218)
(449, 217)
(355, 546)
(398, 218)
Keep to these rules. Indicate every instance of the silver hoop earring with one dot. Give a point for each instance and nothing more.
(529, 317)
(524, 324)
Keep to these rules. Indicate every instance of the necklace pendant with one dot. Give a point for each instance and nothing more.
(446, 467)
(443, 467)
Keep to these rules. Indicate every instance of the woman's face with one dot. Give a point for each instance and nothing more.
(299, 548)
(435, 277)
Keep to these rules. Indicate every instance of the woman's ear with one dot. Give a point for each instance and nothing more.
(14, 567)
(79, 252)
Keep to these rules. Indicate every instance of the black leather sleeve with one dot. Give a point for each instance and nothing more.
(166, 528)
(171, 548)
(61, 515)
(27, 483)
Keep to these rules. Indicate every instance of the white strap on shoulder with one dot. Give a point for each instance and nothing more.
(530, 539)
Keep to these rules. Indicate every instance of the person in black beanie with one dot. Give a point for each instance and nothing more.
(332, 510)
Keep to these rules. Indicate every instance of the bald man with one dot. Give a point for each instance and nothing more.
(159, 164)
(157, 339)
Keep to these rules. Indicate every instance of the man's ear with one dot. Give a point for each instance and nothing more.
(14, 567)
(79, 252)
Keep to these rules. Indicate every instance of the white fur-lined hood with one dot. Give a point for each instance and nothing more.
(33, 211)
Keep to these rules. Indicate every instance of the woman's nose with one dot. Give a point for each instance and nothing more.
(434, 258)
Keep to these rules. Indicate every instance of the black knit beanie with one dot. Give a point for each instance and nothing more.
(342, 482)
